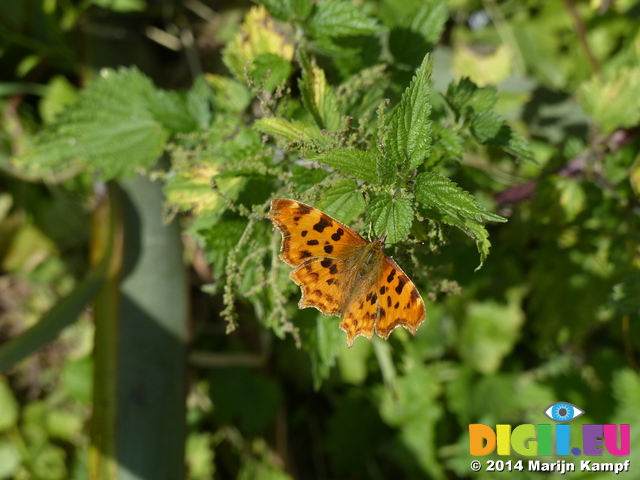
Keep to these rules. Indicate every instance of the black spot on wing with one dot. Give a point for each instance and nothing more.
(391, 276)
(328, 248)
(402, 281)
(322, 224)
(383, 290)
(313, 242)
(305, 254)
(304, 233)
(339, 233)
(304, 209)
(326, 263)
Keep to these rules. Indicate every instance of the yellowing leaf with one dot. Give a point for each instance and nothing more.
(615, 103)
(483, 69)
(190, 189)
(259, 36)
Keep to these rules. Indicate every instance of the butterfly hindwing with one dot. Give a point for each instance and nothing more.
(399, 302)
(320, 280)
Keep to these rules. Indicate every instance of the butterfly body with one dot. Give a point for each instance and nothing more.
(342, 274)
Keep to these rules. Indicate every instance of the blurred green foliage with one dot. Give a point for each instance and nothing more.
(419, 120)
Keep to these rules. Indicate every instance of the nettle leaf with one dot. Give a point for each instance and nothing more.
(409, 134)
(342, 201)
(322, 340)
(473, 104)
(429, 19)
(460, 94)
(445, 202)
(318, 96)
(111, 127)
(360, 164)
(291, 130)
(304, 178)
(229, 94)
(485, 126)
(301, 8)
(337, 18)
(279, 9)
(490, 332)
(268, 70)
(447, 145)
(391, 217)
(511, 141)
(182, 112)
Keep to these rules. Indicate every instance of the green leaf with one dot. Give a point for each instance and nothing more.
(279, 9)
(460, 94)
(445, 202)
(435, 191)
(342, 201)
(122, 5)
(229, 94)
(268, 70)
(391, 217)
(626, 294)
(8, 407)
(112, 128)
(360, 164)
(317, 96)
(429, 19)
(490, 332)
(60, 94)
(512, 142)
(447, 145)
(182, 112)
(322, 340)
(291, 130)
(10, 458)
(305, 178)
(485, 126)
(338, 18)
(409, 134)
(285, 10)
(413, 408)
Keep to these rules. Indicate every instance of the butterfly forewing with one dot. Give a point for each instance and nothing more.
(308, 233)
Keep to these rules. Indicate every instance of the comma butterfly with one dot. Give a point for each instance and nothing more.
(342, 274)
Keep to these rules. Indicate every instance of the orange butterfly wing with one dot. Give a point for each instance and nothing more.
(342, 274)
(308, 233)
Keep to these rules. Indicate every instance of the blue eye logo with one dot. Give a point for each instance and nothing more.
(563, 412)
